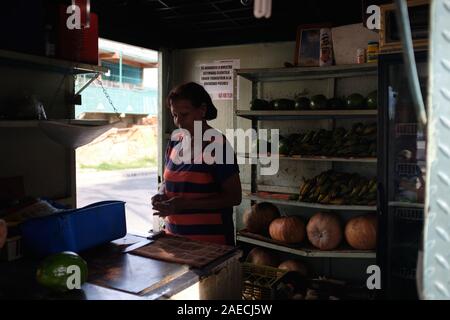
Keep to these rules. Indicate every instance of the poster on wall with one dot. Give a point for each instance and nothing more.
(217, 78)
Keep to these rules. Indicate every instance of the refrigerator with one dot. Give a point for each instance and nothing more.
(401, 177)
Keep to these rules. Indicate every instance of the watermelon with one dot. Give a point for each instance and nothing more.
(355, 100)
(259, 104)
(302, 103)
(283, 146)
(53, 271)
(372, 100)
(318, 102)
(283, 104)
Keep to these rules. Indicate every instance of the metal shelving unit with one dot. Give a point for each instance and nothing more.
(257, 77)
(53, 80)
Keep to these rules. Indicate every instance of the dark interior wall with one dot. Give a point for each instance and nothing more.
(22, 24)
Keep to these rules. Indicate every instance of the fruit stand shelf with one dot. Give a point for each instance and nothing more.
(70, 133)
(308, 114)
(36, 123)
(56, 65)
(308, 73)
(313, 158)
(310, 252)
(309, 205)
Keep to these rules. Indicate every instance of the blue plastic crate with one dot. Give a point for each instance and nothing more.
(75, 230)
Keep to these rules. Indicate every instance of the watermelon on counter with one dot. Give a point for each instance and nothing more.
(53, 272)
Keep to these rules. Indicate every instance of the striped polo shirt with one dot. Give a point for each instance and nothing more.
(196, 180)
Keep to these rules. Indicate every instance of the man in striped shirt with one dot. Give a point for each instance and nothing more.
(200, 188)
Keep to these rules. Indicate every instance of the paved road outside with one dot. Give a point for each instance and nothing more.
(135, 187)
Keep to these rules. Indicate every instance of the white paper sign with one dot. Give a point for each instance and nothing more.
(217, 78)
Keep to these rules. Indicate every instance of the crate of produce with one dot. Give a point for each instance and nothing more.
(260, 282)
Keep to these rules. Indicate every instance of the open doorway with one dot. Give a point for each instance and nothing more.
(122, 163)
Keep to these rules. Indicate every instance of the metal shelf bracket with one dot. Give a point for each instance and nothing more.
(95, 76)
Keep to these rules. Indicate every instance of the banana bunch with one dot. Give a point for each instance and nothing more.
(338, 188)
(359, 141)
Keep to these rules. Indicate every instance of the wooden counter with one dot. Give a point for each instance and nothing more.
(114, 275)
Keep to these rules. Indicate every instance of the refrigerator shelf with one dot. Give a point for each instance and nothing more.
(409, 214)
(408, 169)
(406, 204)
(405, 273)
(406, 129)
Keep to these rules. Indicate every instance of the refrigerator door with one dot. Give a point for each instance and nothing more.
(407, 143)
(402, 178)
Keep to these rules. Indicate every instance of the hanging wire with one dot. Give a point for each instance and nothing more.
(410, 61)
(108, 97)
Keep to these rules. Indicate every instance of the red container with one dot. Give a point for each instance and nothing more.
(79, 45)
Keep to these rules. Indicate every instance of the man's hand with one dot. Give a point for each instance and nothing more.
(158, 198)
(172, 206)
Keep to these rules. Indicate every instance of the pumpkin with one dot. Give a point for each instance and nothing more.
(3, 233)
(324, 231)
(287, 229)
(262, 257)
(361, 232)
(294, 265)
(257, 219)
